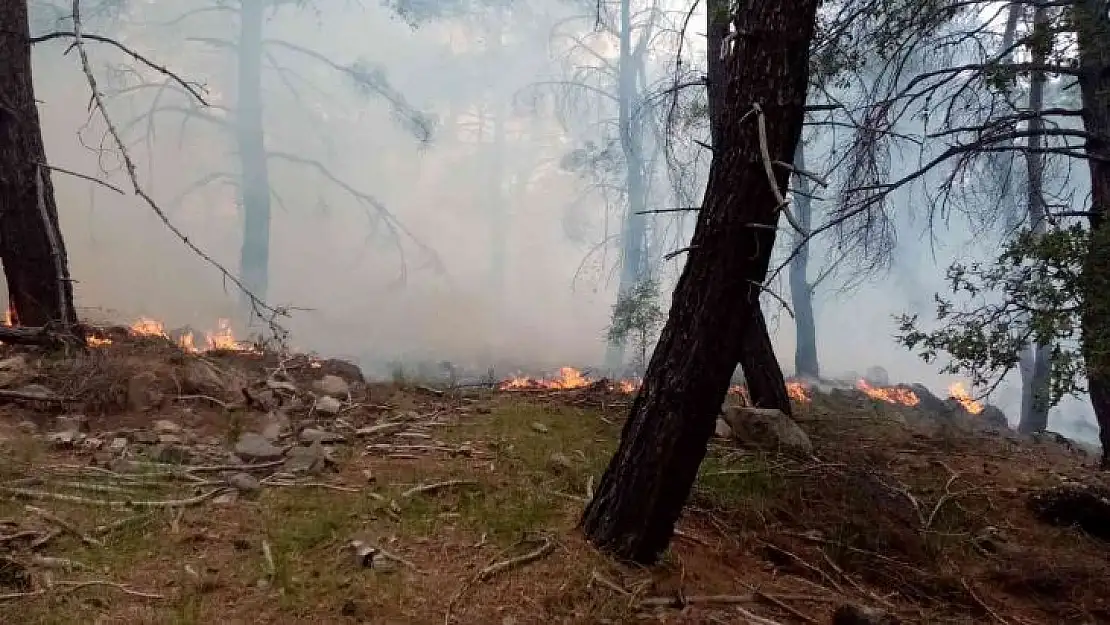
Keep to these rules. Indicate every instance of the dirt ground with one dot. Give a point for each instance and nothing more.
(123, 501)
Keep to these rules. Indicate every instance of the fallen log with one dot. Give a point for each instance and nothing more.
(45, 336)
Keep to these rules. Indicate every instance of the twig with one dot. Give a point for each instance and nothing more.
(775, 601)
(680, 602)
(114, 525)
(288, 484)
(544, 550)
(99, 582)
(235, 467)
(268, 555)
(983, 605)
(755, 618)
(608, 583)
(62, 523)
(679, 251)
(63, 170)
(427, 488)
(765, 152)
(219, 402)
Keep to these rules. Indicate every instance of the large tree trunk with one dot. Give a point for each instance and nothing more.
(31, 247)
(1035, 364)
(762, 373)
(630, 127)
(1093, 30)
(254, 188)
(641, 494)
(801, 292)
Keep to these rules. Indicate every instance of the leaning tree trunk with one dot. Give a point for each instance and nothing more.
(1035, 364)
(801, 291)
(31, 247)
(254, 259)
(641, 494)
(1093, 30)
(762, 373)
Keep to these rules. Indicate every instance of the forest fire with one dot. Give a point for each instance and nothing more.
(889, 394)
(957, 392)
(222, 339)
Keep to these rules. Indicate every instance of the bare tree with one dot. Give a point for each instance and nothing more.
(763, 99)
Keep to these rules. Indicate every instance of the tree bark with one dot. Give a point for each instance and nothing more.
(254, 187)
(630, 127)
(32, 250)
(1093, 35)
(1036, 362)
(641, 494)
(801, 291)
(762, 373)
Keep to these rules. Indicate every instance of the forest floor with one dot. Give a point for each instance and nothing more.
(121, 501)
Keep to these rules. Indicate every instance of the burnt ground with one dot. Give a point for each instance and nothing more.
(121, 502)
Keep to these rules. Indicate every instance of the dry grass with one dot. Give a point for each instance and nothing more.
(928, 522)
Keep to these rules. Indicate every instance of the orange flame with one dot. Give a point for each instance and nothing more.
(893, 395)
(797, 391)
(568, 378)
(957, 392)
(221, 339)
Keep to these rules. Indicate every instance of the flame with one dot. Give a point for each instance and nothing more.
(797, 391)
(893, 395)
(568, 378)
(222, 339)
(957, 392)
(9, 315)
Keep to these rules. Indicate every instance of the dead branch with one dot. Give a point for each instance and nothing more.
(768, 168)
(681, 602)
(167, 503)
(129, 164)
(62, 523)
(75, 174)
(428, 488)
(32, 397)
(539, 553)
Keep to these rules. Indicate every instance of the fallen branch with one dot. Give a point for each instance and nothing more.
(428, 488)
(681, 602)
(168, 503)
(62, 523)
(539, 553)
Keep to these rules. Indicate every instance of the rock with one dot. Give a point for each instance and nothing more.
(118, 445)
(226, 499)
(64, 439)
(328, 405)
(312, 435)
(165, 426)
(255, 447)
(145, 437)
(849, 614)
(37, 389)
(202, 378)
(346, 370)
(722, 430)
(541, 428)
(71, 423)
(244, 482)
(559, 462)
(311, 459)
(333, 386)
(141, 391)
(171, 454)
(274, 425)
(281, 385)
(767, 428)
(170, 439)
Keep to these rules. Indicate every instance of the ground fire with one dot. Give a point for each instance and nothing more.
(957, 392)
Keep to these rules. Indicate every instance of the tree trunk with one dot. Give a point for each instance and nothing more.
(1036, 361)
(1093, 35)
(630, 127)
(31, 247)
(801, 292)
(641, 494)
(254, 188)
(762, 373)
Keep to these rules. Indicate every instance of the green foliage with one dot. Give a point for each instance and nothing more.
(638, 315)
(1030, 293)
(419, 12)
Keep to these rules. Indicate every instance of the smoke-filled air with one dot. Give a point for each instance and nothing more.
(689, 274)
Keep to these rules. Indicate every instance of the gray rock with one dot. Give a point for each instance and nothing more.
(118, 445)
(226, 499)
(722, 430)
(767, 428)
(64, 439)
(311, 459)
(274, 425)
(255, 447)
(540, 427)
(333, 386)
(37, 389)
(171, 454)
(165, 426)
(559, 462)
(244, 482)
(201, 377)
(170, 439)
(312, 435)
(281, 385)
(328, 405)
